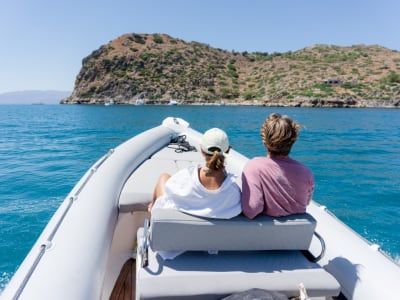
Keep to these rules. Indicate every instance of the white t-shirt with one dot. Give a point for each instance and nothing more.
(184, 192)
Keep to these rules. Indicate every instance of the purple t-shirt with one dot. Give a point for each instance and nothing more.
(276, 187)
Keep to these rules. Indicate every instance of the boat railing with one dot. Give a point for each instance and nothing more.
(48, 242)
(311, 257)
(144, 244)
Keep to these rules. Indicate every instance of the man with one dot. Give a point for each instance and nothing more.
(276, 184)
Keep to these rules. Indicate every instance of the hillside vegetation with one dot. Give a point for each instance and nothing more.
(157, 67)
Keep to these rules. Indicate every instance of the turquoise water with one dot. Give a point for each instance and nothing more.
(45, 149)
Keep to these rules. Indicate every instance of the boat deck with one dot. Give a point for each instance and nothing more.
(124, 288)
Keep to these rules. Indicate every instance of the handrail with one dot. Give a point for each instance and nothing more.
(48, 243)
(311, 257)
(29, 274)
(144, 244)
(323, 247)
(93, 170)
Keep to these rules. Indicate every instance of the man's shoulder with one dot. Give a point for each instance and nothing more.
(255, 164)
(301, 168)
(299, 164)
(256, 161)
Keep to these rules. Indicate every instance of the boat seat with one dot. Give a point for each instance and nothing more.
(242, 261)
(172, 230)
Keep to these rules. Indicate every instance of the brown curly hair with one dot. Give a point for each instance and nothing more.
(279, 133)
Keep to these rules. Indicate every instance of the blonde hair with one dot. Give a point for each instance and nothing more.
(279, 133)
(216, 161)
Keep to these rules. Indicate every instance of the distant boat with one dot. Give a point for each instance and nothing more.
(109, 102)
(172, 102)
(139, 102)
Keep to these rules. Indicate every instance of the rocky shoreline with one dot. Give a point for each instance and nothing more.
(337, 103)
(299, 102)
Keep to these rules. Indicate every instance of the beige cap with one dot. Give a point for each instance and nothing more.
(214, 138)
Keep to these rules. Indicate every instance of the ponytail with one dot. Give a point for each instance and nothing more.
(216, 161)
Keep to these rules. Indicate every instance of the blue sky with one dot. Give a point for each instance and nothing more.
(43, 42)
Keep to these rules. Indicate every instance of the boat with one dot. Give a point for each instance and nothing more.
(101, 243)
(172, 102)
(109, 102)
(139, 102)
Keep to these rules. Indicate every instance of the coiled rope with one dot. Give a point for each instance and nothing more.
(180, 144)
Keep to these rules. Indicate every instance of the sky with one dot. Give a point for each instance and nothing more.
(43, 42)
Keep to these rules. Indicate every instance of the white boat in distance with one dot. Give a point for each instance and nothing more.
(103, 244)
(139, 102)
(109, 102)
(173, 102)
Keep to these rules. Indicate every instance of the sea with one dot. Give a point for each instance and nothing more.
(45, 149)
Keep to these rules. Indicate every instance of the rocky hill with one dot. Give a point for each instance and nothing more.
(157, 67)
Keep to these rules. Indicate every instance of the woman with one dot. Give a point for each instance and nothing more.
(208, 190)
(276, 184)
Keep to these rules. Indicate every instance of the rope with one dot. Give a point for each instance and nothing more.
(180, 144)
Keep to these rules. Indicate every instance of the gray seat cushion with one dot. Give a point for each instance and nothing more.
(242, 262)
(172, 230)
(199, 275)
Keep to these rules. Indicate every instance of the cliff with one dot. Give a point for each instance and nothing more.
(157, 67)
